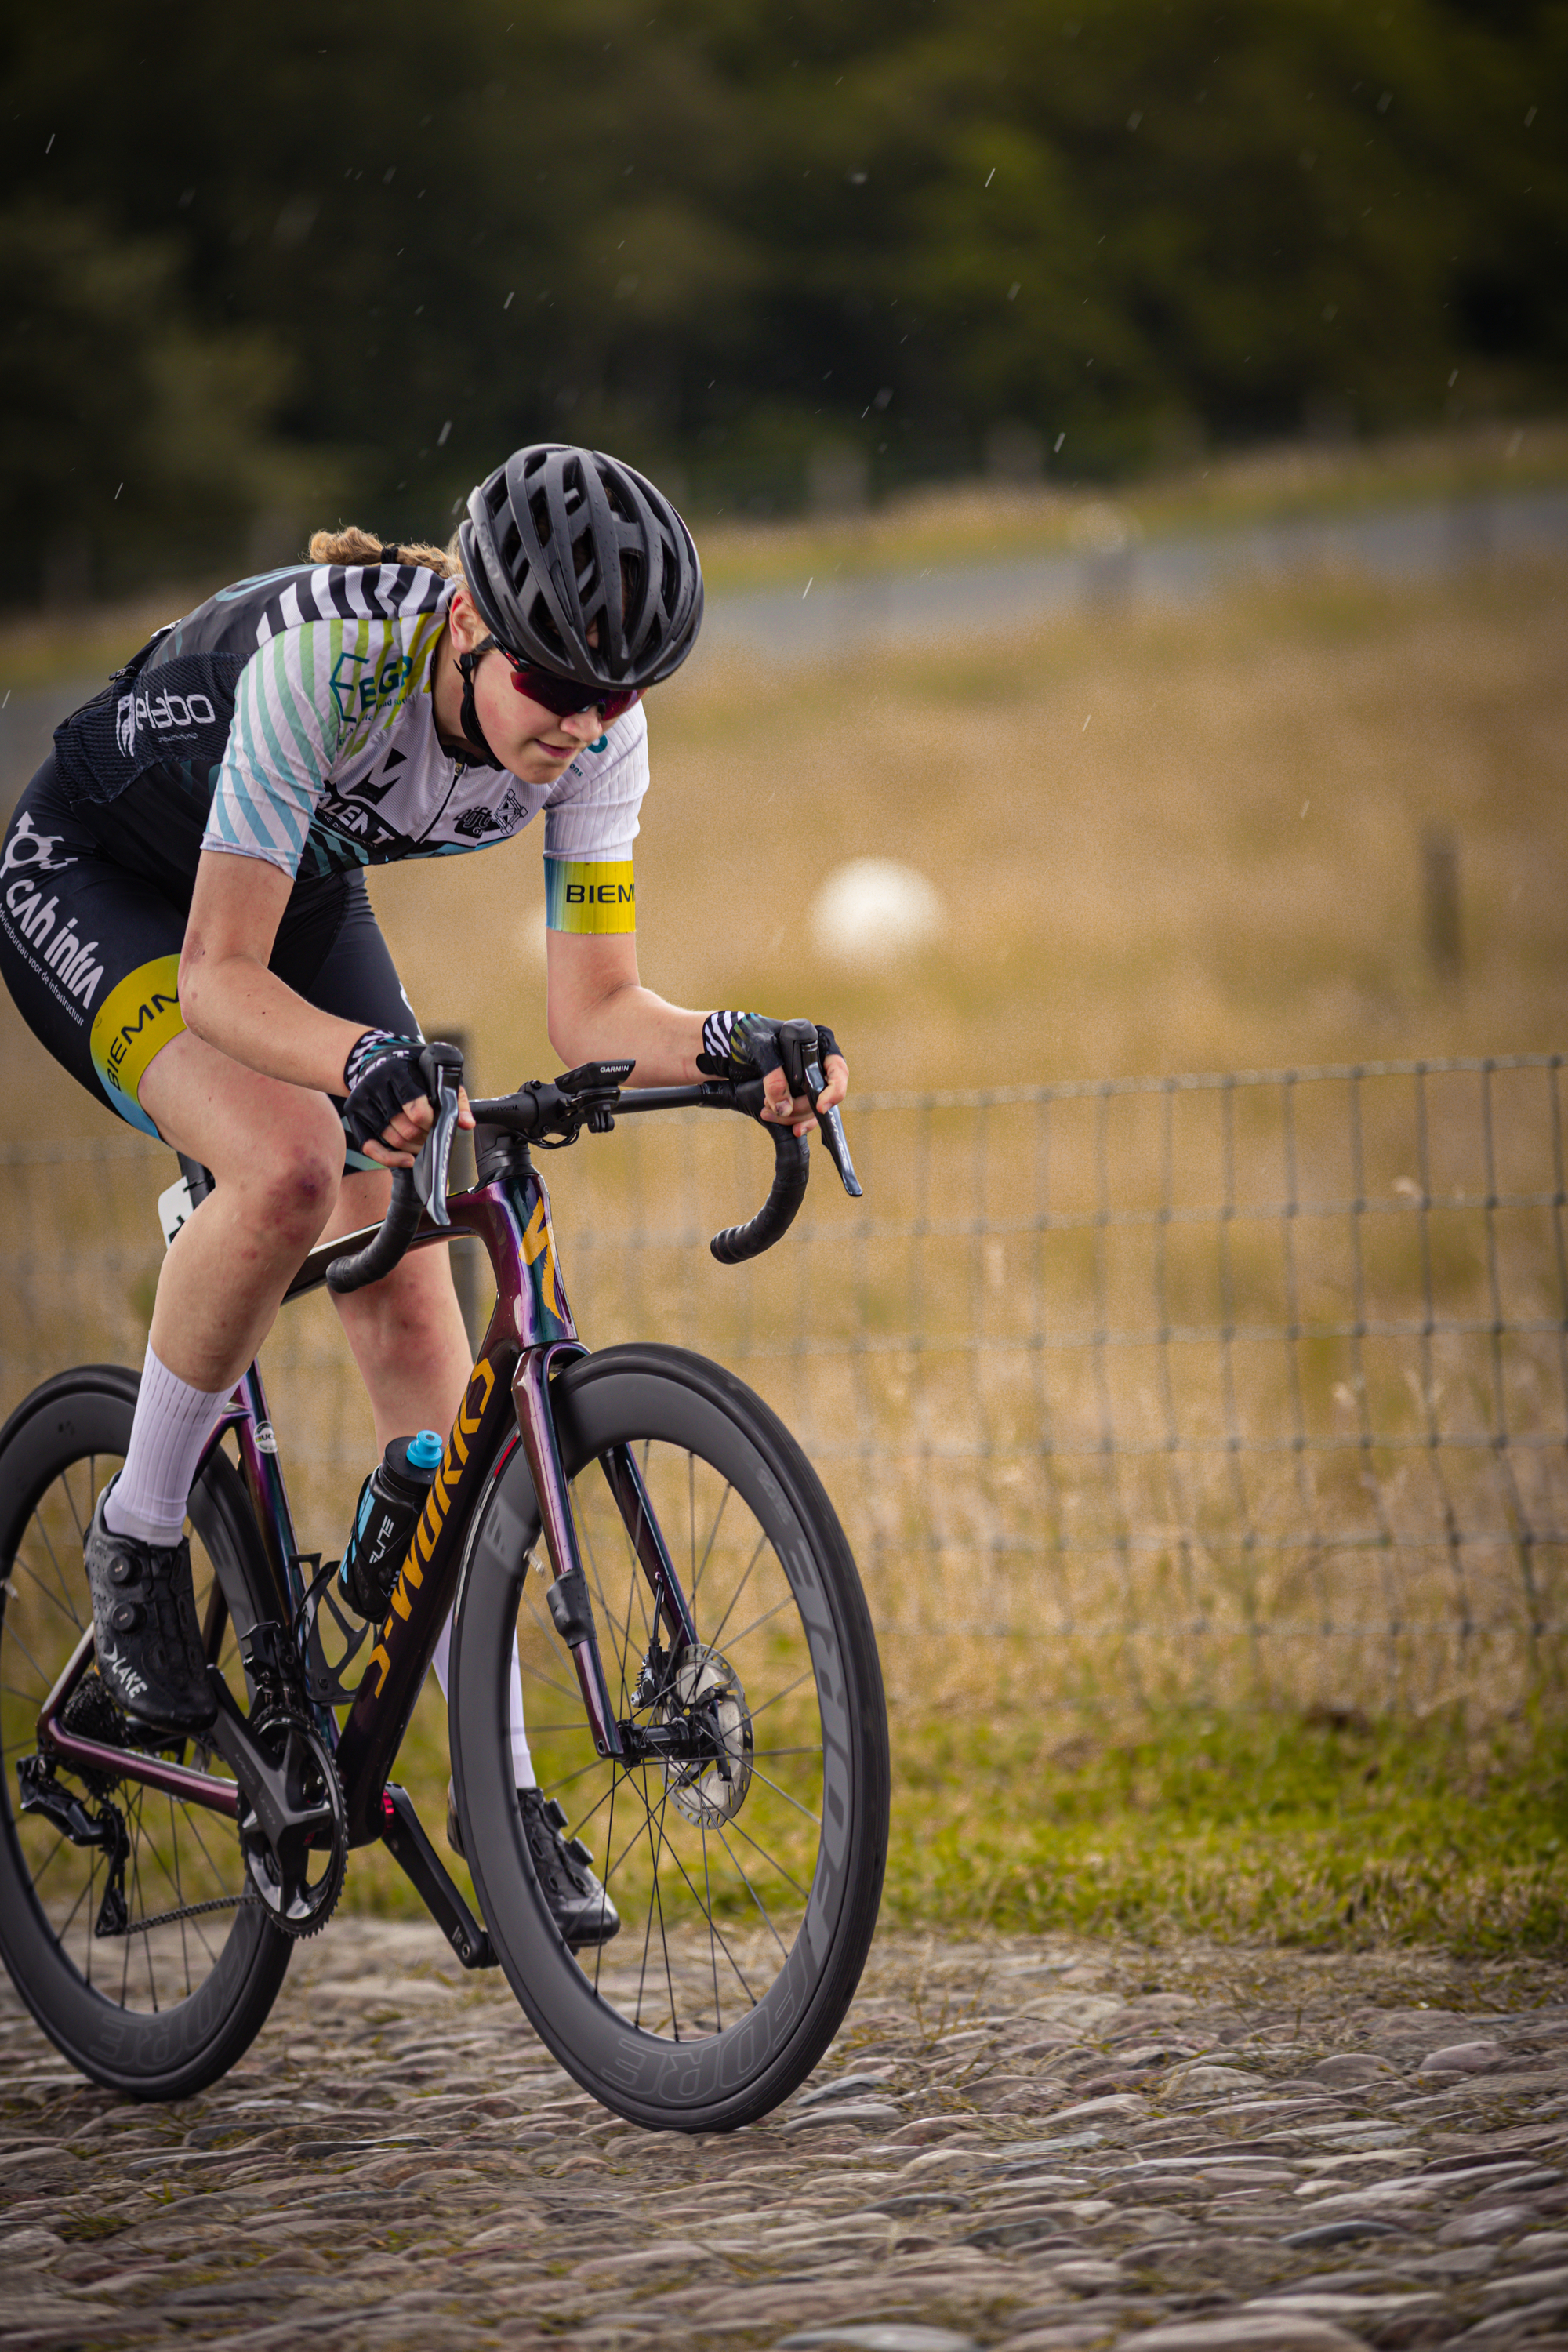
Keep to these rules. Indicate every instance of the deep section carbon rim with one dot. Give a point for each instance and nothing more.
(744, 1860)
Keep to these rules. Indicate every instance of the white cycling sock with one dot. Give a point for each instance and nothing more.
(521, 1762)
(173, 1424)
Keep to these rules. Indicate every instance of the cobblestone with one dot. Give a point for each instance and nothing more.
(1047, 2146)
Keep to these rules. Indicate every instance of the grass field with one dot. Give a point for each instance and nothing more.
(1165, 841)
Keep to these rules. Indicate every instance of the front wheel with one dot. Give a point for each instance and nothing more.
(747, 1881)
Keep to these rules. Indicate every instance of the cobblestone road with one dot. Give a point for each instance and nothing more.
(1034, 2145)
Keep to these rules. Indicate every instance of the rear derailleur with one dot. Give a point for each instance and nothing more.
(97, 1718)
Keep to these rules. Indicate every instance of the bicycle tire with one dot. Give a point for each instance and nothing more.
(673, 2062)
(99, 1999)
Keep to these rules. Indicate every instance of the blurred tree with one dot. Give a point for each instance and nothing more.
(131, 438)
(727, 231)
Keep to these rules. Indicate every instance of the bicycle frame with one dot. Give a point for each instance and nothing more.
(508, 1397)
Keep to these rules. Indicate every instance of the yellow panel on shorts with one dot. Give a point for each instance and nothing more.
(135, 1021)
(581, 894)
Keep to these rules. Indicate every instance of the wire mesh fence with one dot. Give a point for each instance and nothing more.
(1214, 1389)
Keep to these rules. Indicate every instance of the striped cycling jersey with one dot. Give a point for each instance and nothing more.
(291, 719)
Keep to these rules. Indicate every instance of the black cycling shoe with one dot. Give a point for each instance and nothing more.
(144, 1624)
(578, 1904)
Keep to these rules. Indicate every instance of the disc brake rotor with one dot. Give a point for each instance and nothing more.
(705, 1696)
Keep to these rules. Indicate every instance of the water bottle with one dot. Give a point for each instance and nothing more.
(390, 1503)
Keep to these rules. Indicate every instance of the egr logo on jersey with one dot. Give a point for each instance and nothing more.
(137, 1019)
(358, 686)
(125, 725)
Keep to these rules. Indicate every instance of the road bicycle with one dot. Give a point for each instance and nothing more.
(704, 1697)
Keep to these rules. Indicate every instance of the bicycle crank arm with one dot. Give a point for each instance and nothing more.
(263, 1784)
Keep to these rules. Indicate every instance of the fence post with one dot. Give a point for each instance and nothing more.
(1440, 895)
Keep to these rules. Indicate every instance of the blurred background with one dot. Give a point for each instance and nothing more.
(1127, 448)
(777, 254)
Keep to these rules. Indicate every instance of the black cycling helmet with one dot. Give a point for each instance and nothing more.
(561, 541)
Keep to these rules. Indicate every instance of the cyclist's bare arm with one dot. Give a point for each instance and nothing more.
(598, 1010)
(229, 997)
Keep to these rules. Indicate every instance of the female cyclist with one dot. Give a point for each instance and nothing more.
(185, 926)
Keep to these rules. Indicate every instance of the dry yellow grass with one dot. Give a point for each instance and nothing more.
(1167, 842)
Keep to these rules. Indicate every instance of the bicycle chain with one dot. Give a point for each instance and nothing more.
(190, 1911)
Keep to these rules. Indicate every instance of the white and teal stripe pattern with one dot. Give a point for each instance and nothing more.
(311, 695)
(281, 747)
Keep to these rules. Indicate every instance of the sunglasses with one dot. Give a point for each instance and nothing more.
(562, 697)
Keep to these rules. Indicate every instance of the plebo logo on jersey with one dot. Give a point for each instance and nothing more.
(164, 713)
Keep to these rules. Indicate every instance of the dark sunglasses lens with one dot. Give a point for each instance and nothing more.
(565, 696)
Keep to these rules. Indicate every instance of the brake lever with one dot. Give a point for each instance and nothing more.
(443, 1068)
(832, 1133)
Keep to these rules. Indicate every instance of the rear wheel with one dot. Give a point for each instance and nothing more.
(747, 1872)
(139, 1956)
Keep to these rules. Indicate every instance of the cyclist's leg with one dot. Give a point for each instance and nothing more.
(90, 953)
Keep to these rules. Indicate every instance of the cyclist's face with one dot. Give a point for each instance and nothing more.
(535, 744)
(532, 742)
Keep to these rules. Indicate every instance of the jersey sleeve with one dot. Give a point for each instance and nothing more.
(281, 745)
(590, 825)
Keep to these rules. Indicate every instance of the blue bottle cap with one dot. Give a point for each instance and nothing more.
(425, 1450)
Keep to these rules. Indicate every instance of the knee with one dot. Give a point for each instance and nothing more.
(296, 1182)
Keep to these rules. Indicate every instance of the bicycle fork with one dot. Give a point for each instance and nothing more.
(571, 1605)
(511, 1216)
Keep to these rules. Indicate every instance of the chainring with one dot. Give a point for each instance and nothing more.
(297, 1877)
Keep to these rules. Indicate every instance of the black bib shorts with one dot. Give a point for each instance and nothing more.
(90, 949)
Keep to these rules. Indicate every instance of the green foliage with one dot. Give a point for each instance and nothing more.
(727, 234)
(1323, 1830)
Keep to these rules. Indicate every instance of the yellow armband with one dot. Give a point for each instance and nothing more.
(582, 896)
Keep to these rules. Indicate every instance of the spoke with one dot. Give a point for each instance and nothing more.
(816, 1750)
(663, 1933)
(814, 1819)
(673, 1850)
(712, 1932)
(585, 1542)
(62, 1602)
(634, 1593)
(777, 1695)
(757, 1623)
(647, 1931)
(52, 1856)
(771, 1859)
(715, 1636)
(615, 1779)
(551, 1682)
(54, 1558)
(751, 1891)
(48, 1680)
(92, 1489)
(566, 1779)
(708, 1549)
